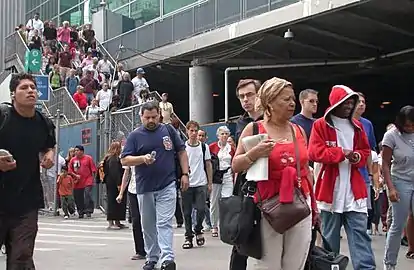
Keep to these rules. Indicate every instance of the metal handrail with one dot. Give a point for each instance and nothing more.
(41, 72)
(160, 18)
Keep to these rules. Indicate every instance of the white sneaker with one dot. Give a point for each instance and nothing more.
(66, 217)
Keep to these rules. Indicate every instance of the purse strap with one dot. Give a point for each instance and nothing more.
(297, 156)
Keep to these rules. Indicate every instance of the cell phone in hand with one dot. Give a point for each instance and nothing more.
(153, 154)
(4, 152)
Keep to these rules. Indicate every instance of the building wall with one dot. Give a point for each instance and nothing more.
(12, 15)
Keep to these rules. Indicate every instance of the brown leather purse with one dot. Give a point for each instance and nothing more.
(283, 216)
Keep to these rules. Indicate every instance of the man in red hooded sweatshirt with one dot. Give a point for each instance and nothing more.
(340, 144)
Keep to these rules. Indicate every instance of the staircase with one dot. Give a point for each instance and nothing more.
(60, 99)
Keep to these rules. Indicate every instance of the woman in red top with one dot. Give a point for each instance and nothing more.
(277, 99)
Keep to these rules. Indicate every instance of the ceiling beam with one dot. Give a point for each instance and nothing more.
(382, 24)
(339, 37)
(303, 45)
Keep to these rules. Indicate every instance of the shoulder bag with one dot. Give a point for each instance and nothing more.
(283, 216)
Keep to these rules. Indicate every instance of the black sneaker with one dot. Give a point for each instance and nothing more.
(168, 265)
(81, 216)
(149, 265)
(88, 215)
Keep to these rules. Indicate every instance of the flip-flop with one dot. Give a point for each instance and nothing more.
(410, 255)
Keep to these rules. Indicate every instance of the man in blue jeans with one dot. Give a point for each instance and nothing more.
(340, 144)
(152, 149)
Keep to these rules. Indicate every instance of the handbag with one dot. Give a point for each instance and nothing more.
(240, 217)
(283, 216)
(323, 258)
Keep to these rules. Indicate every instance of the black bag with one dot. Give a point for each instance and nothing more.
(217, 173)
(240, 217)
(324, 259)
(178, 170)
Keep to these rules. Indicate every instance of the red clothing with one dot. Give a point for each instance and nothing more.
(281, 157)
(214, 149)
(65, 185)
(65, 59)
(323, 149)
(85, 168)
(81, 99)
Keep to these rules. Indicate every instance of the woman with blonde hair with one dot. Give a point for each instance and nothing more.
(277, 99)
(70, 155)
(113, 178)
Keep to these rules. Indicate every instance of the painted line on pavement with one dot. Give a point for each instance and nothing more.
(90, 237)
(47, 249)
(70, 243)
(115, 232)
(71, 225)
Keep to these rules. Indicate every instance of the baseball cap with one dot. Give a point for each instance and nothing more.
(140, 71)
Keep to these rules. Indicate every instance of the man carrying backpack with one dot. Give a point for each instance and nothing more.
(200, 184)
(25, 135)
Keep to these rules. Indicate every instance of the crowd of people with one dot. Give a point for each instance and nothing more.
(71, 59)
(347, 178)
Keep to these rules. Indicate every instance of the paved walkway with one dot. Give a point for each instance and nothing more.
(87, 245)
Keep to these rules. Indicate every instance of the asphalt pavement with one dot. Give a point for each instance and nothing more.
(87, 245)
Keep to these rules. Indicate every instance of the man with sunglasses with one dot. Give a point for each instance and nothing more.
(308, 99)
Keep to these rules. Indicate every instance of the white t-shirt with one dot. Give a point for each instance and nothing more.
(52, 171)
(105, 99)
(139, 85)
(35, 24)
(198, 176)
(374, 157)
(132, 187)
(344, 200)
(104, 66)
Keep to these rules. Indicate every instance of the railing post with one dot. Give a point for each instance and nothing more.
(133, 119)
(107, 125)
(55, 196)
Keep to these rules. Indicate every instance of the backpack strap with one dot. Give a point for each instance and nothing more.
(203, 148)
(5, 110)
(255, 128)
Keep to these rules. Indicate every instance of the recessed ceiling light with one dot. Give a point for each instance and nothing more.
(386, 102)
(215, 95)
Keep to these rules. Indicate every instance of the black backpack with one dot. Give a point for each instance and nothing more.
(6, 110)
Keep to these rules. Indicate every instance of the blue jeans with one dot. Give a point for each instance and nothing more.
(157, 211)
(400, 212)
(359, 242)
(207, 218)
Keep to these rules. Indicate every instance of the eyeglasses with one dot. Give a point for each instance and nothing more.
(248, 95)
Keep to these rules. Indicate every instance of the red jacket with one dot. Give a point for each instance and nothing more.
(323, 149)
(214, 149)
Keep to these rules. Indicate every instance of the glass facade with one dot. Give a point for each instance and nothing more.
(171, 6)
(141, 11)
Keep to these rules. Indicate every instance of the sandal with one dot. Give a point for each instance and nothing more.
(200, 240)
(188, 244)
(214, 232)
(410, 255)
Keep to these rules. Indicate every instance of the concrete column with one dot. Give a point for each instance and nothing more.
(201, 94)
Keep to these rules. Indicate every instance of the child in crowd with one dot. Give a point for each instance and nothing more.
(65, 184)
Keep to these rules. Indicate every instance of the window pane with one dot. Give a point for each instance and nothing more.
(73, 16)
(145, 10)
(67, 4)
(113, 4)
(123, 11)
(170, 6)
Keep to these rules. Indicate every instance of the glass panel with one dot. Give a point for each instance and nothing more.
(68, 4)
(170, 6)
(123, 11)
(145, 10)
(73, 16)
(113, 4)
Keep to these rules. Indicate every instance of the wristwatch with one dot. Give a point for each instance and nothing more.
(186, 174)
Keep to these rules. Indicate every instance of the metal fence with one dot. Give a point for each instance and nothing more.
(60, 99)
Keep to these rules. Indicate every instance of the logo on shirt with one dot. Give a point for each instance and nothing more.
(331, 143)
(168, 145)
